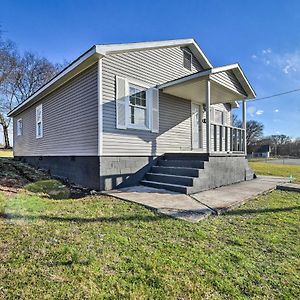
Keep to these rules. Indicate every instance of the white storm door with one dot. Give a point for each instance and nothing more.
(196, 126)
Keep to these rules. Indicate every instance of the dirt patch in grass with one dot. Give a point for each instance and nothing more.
(15, 175)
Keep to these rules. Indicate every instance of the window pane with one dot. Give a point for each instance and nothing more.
(139, 116)
(132, 114)
(132, 100)
(137, 102)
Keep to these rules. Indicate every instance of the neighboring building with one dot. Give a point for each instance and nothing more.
(262, 151)
(127, 113)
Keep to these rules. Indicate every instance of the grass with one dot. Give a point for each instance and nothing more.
(261, 168)
(102, 248)
(6, 153)
(98, 247)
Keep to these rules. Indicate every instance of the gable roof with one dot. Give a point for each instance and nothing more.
(235, 68)
(98, 51)
(190, 43)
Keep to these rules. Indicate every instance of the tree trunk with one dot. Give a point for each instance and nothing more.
(6, 137)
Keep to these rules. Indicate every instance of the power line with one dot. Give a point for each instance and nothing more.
(276, 95)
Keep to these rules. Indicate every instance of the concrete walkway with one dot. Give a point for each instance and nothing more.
(231, 196)
(200, 205)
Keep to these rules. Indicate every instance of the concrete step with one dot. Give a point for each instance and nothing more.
(167, 186)
(191, 172)
(168, 178)
(182, 163)
(249, 175)
(186, 156)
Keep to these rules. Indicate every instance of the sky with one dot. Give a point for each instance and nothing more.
(263, 36)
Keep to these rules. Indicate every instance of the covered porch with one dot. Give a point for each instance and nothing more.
(222, 85)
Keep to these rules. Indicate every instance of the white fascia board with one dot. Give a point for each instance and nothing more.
(60, 76)
(238, 72)
(234, 67)
(191, 43)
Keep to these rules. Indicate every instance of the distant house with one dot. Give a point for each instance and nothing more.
(262, 151)
(124, 114)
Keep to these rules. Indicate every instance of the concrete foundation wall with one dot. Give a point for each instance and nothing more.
(122, 171)
(222, 170)
(81, 170)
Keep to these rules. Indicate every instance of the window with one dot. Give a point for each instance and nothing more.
(187, 60)
(39, 121)
(137, 107)
(219, 116)
(19, 127)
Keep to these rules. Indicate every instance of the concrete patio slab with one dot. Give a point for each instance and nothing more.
(198, 206)
(231, 196)
(169, 203)
(290, 187)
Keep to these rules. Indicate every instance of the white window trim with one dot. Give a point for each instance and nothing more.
(19, 133)
(36, 122)
(137, 83)
(191, 55)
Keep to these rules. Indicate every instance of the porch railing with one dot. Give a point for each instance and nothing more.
(225, 138)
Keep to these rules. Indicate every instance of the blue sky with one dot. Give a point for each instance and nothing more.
(263, 36)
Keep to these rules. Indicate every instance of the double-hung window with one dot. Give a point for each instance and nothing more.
(137, 105)
(19, 127)
(39, 121)
(138, 112)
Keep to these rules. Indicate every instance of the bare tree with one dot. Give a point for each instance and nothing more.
(254, 131)
(8, 63)
(278, 140)
(20, 77)
(236, 122)
(30, 74)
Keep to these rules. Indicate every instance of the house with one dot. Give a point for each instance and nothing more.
(123, 114)
(261, 151)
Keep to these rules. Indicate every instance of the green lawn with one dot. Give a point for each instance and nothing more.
(6, 153)
(261, 168)
(99, 247)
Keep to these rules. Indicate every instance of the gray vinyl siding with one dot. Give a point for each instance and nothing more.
(70, 120)
(228, 79)
(152, 67)
(175, 131)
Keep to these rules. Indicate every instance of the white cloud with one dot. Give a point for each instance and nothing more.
(253, 56)
(266, 51)
(251, 110)
(259, 112)
(276, 110)
(287, 62)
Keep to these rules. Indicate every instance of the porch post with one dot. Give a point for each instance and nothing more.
(245, 127)
(208, 127)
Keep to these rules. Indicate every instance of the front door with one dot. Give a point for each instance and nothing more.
(196, 126)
